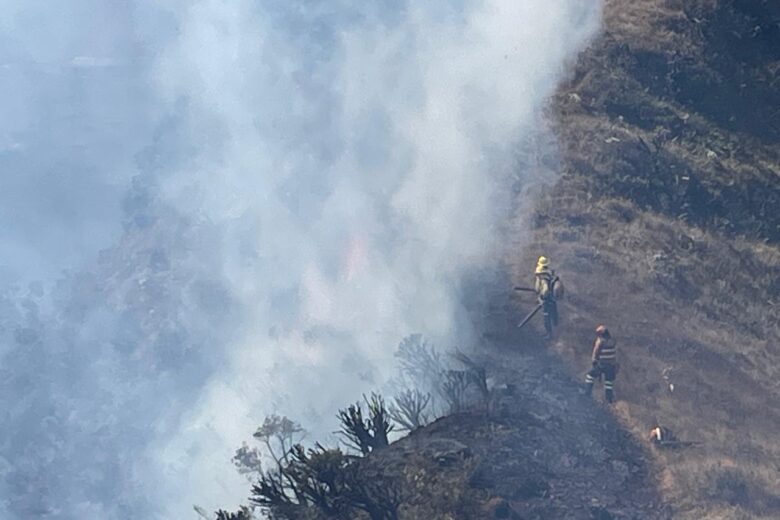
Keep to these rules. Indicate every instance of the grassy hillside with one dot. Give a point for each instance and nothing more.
(665, 225)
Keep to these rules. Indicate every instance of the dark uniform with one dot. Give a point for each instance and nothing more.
(604, 363)
(662, 436)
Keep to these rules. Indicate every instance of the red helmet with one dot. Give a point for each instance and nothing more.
(601, 330)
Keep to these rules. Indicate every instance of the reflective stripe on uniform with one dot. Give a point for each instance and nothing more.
(608, 384)
(605, 350)
(589, 378)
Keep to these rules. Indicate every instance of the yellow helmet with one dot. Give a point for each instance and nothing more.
(542, 262)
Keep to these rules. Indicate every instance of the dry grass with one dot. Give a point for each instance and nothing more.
(724, 371)
(665, 227)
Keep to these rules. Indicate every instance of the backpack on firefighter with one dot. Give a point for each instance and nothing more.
(547, 285)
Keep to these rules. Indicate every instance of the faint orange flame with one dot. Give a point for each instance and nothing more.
(355, 257)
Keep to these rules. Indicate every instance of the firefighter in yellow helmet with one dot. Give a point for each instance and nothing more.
(548, 289)
(542, 272)
(545, 279)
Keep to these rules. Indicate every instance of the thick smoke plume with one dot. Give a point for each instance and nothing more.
(290, 188)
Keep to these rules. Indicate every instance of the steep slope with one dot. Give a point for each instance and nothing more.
(541, 450)
(665, 227)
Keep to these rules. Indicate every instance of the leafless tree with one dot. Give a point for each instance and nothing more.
(279, 434)
(453, 389)
(408, 409)
(366, 435)
(476, 374)
(419, 361)
(330, 481)
(248, 460)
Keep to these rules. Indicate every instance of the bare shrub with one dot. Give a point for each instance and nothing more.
(422, 365)
(366, 435)
(379, 498)
(476, 375)
(279, 434)
(453, 389)
(420, 362)
(248, 460)
(242, 514)
(328, 480)
(456, 383)
(303, 480)
(408, 409)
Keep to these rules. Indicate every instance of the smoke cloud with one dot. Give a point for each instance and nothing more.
(255, 200)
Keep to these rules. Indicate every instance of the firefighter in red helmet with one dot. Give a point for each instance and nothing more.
(603, 363)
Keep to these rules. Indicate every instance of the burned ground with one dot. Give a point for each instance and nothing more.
(541, 450)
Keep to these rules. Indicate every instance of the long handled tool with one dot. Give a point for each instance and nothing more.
(679, 444)
(525, 289)
(531, 315)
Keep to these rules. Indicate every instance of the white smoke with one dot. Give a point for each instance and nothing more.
(325, 174)
(370, 178)
(70, 122)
